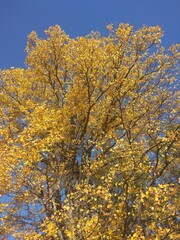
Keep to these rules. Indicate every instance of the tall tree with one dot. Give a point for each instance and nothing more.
(89, 138)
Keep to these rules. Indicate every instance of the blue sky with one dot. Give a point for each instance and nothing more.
(78, 17)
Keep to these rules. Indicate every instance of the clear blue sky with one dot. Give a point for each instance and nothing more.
(78, 17)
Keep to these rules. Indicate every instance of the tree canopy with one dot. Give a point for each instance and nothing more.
(89, 138)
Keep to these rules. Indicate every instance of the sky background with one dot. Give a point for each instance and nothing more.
(79, 17)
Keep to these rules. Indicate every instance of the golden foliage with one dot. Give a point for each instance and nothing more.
(89, 138)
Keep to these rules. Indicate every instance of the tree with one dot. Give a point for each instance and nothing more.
(89, 138)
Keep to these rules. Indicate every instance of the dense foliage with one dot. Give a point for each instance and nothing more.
(89, 138)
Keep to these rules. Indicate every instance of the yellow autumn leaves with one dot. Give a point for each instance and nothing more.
(89, 138)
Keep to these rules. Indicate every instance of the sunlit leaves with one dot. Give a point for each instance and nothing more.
(89, 138)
